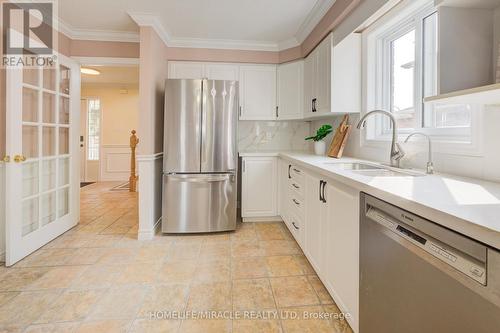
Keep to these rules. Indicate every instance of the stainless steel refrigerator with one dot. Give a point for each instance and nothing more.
(200, 156)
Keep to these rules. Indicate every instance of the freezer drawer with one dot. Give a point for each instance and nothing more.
(198, 203)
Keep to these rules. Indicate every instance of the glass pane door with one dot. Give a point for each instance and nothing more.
(41, 115)
(46, 146)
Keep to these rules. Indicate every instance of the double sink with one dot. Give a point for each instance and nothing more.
(373, 170)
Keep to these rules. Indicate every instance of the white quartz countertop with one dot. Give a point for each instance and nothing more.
(468, 206)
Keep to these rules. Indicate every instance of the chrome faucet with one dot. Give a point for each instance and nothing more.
(397, 152)
(430, 165)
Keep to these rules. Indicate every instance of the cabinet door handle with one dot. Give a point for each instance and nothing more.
(240, 112)
(296, 186)
(323, 192)
(296, 202)
(320, 185)
(296, 228)
(277, 113)
(289, 166)
(314, 105)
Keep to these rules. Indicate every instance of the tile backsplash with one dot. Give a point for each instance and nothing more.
(273, 135)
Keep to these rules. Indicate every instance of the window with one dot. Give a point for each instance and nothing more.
(93, 129)
(401, 58)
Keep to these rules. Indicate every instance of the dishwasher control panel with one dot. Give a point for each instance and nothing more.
(466, 264)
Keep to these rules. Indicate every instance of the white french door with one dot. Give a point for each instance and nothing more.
(42, 176)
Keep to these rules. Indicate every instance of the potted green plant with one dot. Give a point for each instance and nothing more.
(319, 143)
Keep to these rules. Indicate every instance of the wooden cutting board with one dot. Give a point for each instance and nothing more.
(340, 138)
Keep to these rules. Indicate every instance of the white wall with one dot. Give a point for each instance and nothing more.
(465, 55)
(120, 113)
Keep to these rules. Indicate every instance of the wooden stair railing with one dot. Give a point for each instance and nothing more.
(134, 141)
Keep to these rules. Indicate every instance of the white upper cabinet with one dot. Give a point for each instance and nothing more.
(346, 75)
(332, 78)
(186, 70)
(258, 92)
(324, 77)
(290, 90)
(309, 85)
(215, 71)
(202, 70)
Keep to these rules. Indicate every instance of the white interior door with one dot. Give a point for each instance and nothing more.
(42, 178)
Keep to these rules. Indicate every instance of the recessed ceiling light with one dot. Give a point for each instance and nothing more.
(89, 71)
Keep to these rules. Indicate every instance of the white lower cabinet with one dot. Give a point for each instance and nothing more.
(259, 188)
(315, 222)
(341, 248)
(327, 230)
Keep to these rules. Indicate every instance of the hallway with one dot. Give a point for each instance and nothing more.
(98, 277)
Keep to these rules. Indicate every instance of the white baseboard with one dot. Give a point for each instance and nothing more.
(262, 219)
(149, 234)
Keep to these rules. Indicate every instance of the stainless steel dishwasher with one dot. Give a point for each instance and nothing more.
(417, 276)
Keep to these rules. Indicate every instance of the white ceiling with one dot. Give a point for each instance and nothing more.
(113, 74)
(247, 24)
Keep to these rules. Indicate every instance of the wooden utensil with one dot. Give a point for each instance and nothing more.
(340, 138)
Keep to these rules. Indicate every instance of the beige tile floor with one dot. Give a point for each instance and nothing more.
(98, 277)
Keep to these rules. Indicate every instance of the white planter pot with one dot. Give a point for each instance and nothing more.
(320, 148)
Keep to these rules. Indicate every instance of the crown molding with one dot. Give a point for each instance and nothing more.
(288, 44)
(311, 21)
(98, 35)
(151, 20)
(224, 44)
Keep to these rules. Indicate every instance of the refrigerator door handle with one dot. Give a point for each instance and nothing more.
(201, 178)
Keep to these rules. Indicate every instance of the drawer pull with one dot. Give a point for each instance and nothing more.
(296, 202)
(296, 170)
(296, 228)
(296, 186)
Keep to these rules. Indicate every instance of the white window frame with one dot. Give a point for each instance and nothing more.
(376, 82)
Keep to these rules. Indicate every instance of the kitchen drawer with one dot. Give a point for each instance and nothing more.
(297, 174)
(297, 204)
(296, 227)
(296, 187)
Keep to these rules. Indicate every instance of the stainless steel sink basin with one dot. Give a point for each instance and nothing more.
(373, 170)
(355, 166)
(387, 173)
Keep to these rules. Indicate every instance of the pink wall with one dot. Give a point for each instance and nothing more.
(152, 74)
(195, 54)
(90, 48)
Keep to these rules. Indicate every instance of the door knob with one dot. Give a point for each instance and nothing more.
(19, 158)
(6, 159)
